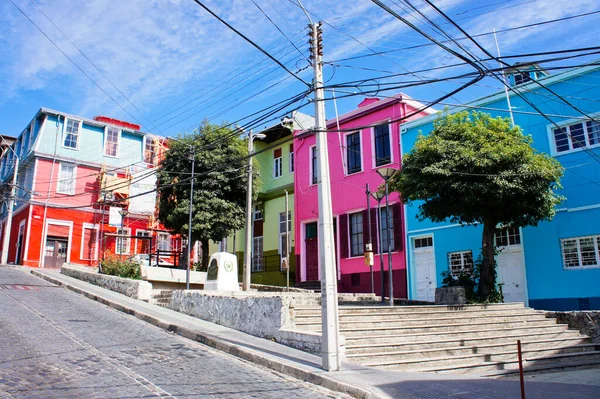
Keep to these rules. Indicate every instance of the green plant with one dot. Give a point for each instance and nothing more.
(114, 266)
(470, 282)
(198, 267)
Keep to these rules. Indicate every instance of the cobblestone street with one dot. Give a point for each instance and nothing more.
(57, 344)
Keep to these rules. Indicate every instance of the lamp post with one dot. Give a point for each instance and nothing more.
(248, 250)
(386, 174)
(378, 195)
(11, 203)
(123, 213)
(191, 210)
(105, 194)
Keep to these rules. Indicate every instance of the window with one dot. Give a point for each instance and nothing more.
(576, 135)
(460, 262)
(291, 158)
(163, 242)
(72, 134)
(66, 179)
(283, 232)
(521, 78)
(356, 234)
(111, 142)
(258, 213)
(277, 163)
(314, 165)
(122, 245)
(257, 254)
(149, 150)
(387, 220)
(353, 154)
(507, 236)
(424, 242)
(581, 252)
(142, 245)
(382, 145)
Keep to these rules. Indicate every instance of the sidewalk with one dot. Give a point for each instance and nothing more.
(356, 380)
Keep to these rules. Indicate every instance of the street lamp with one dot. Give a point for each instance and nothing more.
(386, 174)
(248, 250)
(379, 195)
(123, 213)
(11, 202)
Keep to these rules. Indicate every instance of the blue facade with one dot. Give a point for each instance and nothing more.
(560, 258)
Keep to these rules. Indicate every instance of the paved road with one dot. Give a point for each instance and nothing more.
(57, 344)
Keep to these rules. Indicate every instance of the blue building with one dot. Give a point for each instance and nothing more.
(555, 265)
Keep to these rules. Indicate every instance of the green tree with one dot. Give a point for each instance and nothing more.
(219, 186)
(476, 169)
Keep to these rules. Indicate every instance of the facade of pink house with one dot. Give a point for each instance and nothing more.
(354, 157)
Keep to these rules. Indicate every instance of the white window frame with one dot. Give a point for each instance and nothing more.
(345, 147)
(384, 231)
(148, 234)
(566, 124)
(596, 241)
(89, 226)
(59, 180)
(123, 231)
(64, 135)
(278, 167)
(463, 267)
(283, 233)
(119, 131)
(257, 214)
(359, 234)
(158, 241)
(310, 164)
(291, 163)
(257, 267)
(505, 231)
(374, 157)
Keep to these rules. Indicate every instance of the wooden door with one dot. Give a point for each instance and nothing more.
(312, 252)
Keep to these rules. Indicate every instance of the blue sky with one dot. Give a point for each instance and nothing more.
(172, 65)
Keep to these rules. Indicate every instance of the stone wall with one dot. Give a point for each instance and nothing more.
(136, 289)
(586, 321)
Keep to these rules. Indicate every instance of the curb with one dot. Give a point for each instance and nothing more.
(223, 346)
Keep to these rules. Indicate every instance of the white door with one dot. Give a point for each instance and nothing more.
(511, 264)
(424, 266)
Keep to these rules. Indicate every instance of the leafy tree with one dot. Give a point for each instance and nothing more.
(219, 186)
(476, 169)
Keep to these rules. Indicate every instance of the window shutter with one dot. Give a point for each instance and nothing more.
(398, 226)
(277, 153)
(344, 237)
(292, 147)
(374, 230)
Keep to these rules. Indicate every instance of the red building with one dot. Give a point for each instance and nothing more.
(73, 174)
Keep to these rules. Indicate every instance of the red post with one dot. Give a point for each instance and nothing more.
(521, 369)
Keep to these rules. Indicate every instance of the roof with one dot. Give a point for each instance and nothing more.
(278, 131)
(88, 121)
(551, 79)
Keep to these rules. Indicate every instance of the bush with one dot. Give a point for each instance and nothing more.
(470, 282)
(114, 266)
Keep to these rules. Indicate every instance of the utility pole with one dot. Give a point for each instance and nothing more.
(189, 244)
(370, 243)
(512, 119)
(11, 203)
(329, 306)
(287, 241)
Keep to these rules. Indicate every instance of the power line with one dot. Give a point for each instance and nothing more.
(249, 41)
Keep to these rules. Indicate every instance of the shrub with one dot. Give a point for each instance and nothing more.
(470, 282)
(114, 266)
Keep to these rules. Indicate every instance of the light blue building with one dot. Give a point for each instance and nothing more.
(555, 265)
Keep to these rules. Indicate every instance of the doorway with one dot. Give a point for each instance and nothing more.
(511, 264)
(424, 267)
(55, 253)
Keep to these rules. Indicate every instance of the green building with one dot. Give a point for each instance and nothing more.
(276, 170)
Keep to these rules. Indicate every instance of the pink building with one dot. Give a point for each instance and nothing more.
(354, 157)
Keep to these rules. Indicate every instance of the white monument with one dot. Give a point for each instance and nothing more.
(222, 273)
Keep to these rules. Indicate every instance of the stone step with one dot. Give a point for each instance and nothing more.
(554, 362)
(395, 329)
(416, 309)
(469, 334)
(568, 336)
(490, 352)
(316, 315)
(509, 359)
(365, 322)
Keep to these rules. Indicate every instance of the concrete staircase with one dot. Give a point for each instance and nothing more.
(474, 339)
(161, 297)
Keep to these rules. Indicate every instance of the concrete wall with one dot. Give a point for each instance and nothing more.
(136, 289)
(586, 322)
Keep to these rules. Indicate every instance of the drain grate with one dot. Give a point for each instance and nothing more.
(19, 287)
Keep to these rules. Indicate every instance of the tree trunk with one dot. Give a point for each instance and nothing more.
(205, 253)
(486, 277)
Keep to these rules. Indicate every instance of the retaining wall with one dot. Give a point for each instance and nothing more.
(586, 321)
(136, 289)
